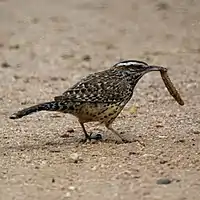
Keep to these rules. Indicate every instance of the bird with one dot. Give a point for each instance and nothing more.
(98, 97)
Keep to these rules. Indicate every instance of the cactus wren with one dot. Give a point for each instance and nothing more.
(98, 97)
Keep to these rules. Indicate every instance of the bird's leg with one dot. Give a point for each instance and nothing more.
(89, 137)
(109, 127)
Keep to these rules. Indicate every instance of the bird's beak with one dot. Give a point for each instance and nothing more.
(156, 68)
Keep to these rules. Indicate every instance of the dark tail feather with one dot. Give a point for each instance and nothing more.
(48, 106)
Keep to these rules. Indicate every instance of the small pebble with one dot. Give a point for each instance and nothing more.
(54, 78)
(5, 65)
(67, 56)
(86, 58)
(16, 77)
(53, 180)
(54, 150)
(163, 161)
(35, 20)
(63, 79)
(163, 6)
(55, 116)
(163, 181)
(159, 126)
(196, 132)
(15, 46)
(67, 195)
(132, 153)
(25, 102)
(65, 135)
(75, 158)
(94, 168)
(71, 187)
(70, 130)
(180, 141)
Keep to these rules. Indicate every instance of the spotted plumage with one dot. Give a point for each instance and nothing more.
(98, 97)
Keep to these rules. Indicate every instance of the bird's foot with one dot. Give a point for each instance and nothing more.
(89, 138)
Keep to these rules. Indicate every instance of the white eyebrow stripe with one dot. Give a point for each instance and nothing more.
(129, 63)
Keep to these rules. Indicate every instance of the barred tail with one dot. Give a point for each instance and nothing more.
(48, 106)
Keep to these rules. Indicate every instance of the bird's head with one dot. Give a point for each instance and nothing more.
(136, 67)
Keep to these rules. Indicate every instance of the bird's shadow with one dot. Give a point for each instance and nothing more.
(56, 146)
(40, 146)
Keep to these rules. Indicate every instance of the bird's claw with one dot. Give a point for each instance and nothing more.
(90, 137)
(98, 136)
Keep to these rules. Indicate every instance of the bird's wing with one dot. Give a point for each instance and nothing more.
(99, 87)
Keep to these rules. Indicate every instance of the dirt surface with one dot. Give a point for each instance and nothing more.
(46, 46)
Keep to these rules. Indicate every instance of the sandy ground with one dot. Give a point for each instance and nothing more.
(44, 49)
